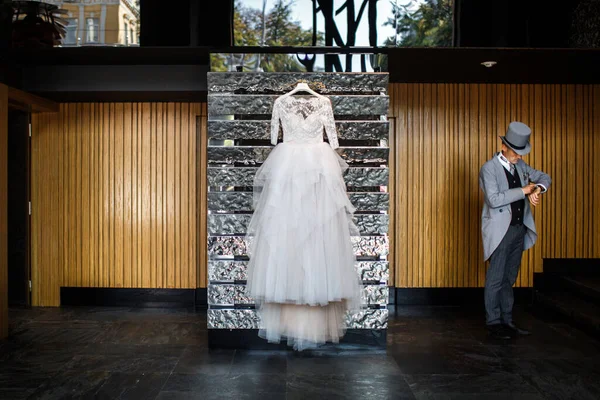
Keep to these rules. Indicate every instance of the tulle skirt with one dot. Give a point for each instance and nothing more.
(301, 271)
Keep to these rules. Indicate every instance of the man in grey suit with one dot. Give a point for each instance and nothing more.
(507, 225)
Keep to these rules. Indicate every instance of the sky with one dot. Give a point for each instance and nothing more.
(303, 15)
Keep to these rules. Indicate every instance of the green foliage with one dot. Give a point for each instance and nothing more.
(280, 30)
(246, 26)
(283, 31)
(217, 63)
(430, 25)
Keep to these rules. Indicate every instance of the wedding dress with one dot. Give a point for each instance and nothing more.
(301, 271)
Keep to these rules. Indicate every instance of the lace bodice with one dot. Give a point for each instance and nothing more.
(303, 120)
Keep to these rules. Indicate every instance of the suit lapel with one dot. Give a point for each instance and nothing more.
(521, 176)
(502, 177)
(500, 173)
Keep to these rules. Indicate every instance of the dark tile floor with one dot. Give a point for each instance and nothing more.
(433, 353)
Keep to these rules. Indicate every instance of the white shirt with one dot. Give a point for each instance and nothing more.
(504, 161)
(506, 164)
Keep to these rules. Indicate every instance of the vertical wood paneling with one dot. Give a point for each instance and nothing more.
(412, 205)
(596, 167)
(114, 189)
(104, 199)
(473, 158)
(461, 155)
(442, 135)
(190, 153)
(184, 225)
(562, 157)
(119, 206)
(427, 179)
(583, 145)
(483, 152)
(71, 193)
(151, 278)
(3, 211)
(131, 205)
(442, 151)
(159, 210)
(201, 142)
(391, 191)
(46, 234)
(170, 197)
(109, 129)
(402, 221)
(145, 278)
(85, 193)
(91, 181)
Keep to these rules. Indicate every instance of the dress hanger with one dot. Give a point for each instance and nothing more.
(303, 86)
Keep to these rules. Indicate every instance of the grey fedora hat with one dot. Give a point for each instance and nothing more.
(517, 137)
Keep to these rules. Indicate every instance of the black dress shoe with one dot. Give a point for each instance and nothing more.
(516, 330)
(499, 332)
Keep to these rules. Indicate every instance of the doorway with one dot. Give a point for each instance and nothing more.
(19, 151)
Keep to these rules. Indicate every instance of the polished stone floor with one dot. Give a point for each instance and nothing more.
(433, 353)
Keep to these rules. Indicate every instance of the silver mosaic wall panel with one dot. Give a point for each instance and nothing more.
(371, 246)
(225, 247)
(257, 155)
(258, 82)
(230, 104)
(367, 319)
(373, 271)
(233, 319)
(242, 201)
(239, 97)
(225, 294)
(235, 224)
(249, 319)
(244, 176)
(229, 271)
(347, 130)
(370, 201)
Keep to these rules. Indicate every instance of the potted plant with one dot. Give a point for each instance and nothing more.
(36, 24)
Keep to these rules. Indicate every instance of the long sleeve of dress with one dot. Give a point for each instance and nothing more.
(275, 123)
(329, 124)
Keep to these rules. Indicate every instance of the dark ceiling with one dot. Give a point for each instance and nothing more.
(174, 56)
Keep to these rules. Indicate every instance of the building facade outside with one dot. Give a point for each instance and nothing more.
(101, 22)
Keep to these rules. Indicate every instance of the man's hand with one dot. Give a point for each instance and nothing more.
(529, 189)
(534, 197)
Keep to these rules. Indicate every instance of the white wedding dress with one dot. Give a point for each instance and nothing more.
(301, 272)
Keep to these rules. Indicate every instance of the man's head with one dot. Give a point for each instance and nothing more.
(510, 154)
(516, 142)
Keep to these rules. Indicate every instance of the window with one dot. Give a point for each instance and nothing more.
(126, 33)
(92, 30)
(71, 35)
(131, 34)
(420, 23)
(335, 23)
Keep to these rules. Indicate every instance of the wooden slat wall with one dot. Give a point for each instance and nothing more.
(202, 199)
(3, 211)
(118, 203)
(48, 220)
(442, 135)
(114, 191)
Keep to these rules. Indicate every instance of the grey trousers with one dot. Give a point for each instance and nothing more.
(502, 275)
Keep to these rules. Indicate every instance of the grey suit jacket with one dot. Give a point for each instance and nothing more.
(496, 214)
